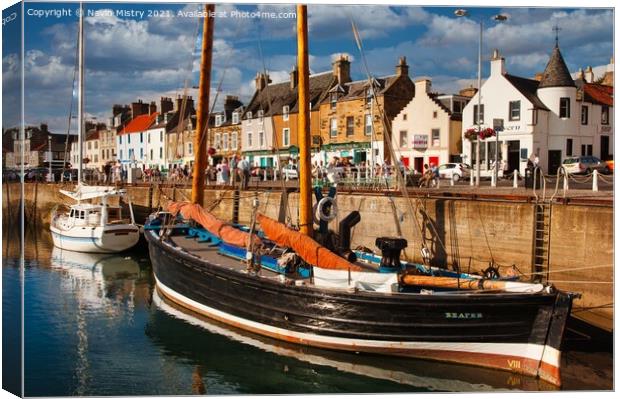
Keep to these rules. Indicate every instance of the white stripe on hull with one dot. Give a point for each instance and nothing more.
(533, 352)
(98, 242)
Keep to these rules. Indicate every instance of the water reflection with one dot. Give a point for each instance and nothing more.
(222, 342)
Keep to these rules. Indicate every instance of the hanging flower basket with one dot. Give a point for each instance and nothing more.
(472, 134)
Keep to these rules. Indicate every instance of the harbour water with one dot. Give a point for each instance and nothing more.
(95, 325)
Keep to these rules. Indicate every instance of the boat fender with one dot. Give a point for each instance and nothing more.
(324, 202)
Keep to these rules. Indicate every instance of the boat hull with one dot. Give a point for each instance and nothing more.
(513, 332)
(108, 239)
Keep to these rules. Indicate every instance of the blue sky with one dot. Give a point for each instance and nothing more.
(130, 58)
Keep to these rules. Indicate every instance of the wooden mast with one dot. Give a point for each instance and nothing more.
(303, 124)
(202, 116)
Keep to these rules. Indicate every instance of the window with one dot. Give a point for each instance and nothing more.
(565, 107)
(589, 149)
(434, 114)
(435, 137)
(569, 147)
(481, 116)
(217, 141)
(584, 114)
(403, 138)
(225, 141)
(286, 137)
(129, 139)
(120, 139)
(368, 97)
(89, 145)
(368, 125)
(261, 139)
(233, 141)
(141, 138)
(534, 116)
(333, 100)
(260, 114)
(96, 144)
(141, 153)
(285, 110)
(583, 150)
(96, 158)
(404, 117)
(248, 115)
(235, 118)
(514, 110)
(218, 120)
(333, 130)
(350, 125)
(151, 154)
(190, 148)
(161, 152)
(249, 139)
(605, 115)
(457, 107)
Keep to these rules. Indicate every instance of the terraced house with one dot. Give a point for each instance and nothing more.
(180, 133)
(354, 116)
(131, 138)
(225, 130)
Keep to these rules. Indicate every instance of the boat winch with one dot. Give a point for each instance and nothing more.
(391, 248)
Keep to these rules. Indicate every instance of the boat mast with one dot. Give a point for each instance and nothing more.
(80, 93)
(303, 124)
(202, 117)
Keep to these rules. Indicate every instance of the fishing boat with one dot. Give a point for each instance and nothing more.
(86, 226)
(281, 283)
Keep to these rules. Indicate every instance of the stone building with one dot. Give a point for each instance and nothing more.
(180, 132)
(225, 134)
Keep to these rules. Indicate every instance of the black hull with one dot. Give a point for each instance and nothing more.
(492, 330)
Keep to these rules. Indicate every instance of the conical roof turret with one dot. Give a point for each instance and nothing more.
(556, 73)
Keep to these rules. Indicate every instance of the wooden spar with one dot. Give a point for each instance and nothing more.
(451, 282)
(303, 124)
(202, 117)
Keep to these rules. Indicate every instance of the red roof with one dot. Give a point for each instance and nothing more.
(139, 124)
(599, 94)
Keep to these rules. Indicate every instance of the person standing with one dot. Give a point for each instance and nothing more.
(244, 171)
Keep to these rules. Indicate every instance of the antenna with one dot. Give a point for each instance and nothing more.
(557, 30)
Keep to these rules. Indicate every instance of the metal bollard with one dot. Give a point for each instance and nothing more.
(565, 182)
(451, 181)
(493, 182)
(595, 180)
(265, 174)
(515, 176)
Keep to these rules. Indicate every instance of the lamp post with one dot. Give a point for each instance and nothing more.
(50, 176)
(499, 17)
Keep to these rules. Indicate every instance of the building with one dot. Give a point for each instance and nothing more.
(551, 117)
(107, 143)
(180, 133)
(225, 134)
(92, 146)
(354, 116)
(155, 144)
(131, 139)
(34, 150)
(428, 129)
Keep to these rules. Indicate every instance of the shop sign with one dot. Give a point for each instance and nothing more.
(420, 141)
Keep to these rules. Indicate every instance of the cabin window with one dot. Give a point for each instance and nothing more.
(605, 115)
(350, 125)
(514, 110)
(285, 110)
(584, 114)
(368, 125)
(333, 130)
(286, 137)
(565, 107)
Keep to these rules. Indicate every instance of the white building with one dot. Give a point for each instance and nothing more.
(427, 131)
(551, 118)
(155, 146)
(131, 141)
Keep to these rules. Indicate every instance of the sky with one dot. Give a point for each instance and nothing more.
(145, 51)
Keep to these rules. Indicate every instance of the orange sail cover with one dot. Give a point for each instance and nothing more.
(309, 250)
(222, 230)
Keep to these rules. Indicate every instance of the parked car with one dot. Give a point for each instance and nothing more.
(289, 171)
(454, 171)
(610, 166)
(584, 164)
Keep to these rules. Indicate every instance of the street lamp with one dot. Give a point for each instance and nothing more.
(499, 17)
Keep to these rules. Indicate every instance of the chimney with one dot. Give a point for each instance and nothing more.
(44, 128)
(189, 104)
(165, 104)
(294, 77)
(589, 74)
(422, 86)
(468, 92)
(231, 103)
(152, 108)
(402, 69)
(498, 64)
(139, 108)
(538, 76)
(580, 75)
(261, 81)
(342, 69)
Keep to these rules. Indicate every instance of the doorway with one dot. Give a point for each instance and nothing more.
(555, 160)
(418, 164)
(605, 148)
(513, 155)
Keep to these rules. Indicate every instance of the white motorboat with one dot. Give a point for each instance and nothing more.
(94, 227)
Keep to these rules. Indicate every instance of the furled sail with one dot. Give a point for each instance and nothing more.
(308, 249)
(222, 230)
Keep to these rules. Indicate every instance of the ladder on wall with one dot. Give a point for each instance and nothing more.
(542, 234)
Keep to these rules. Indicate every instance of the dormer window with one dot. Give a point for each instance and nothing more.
(260, 113)
(248, 116)
(369, 97)
(285, 111)
(235, 118)
(333, 100)
(218, 120)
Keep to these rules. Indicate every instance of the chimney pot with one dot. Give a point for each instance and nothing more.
(342, 69)
(402, 69)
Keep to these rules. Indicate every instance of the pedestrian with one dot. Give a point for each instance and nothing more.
(426, 176)
(243, 166)
(224, 172)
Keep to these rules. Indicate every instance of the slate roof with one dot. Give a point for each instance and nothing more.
(556, 73)
(357, 89)
(139, 124)
(275, 96)
(528, 88)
